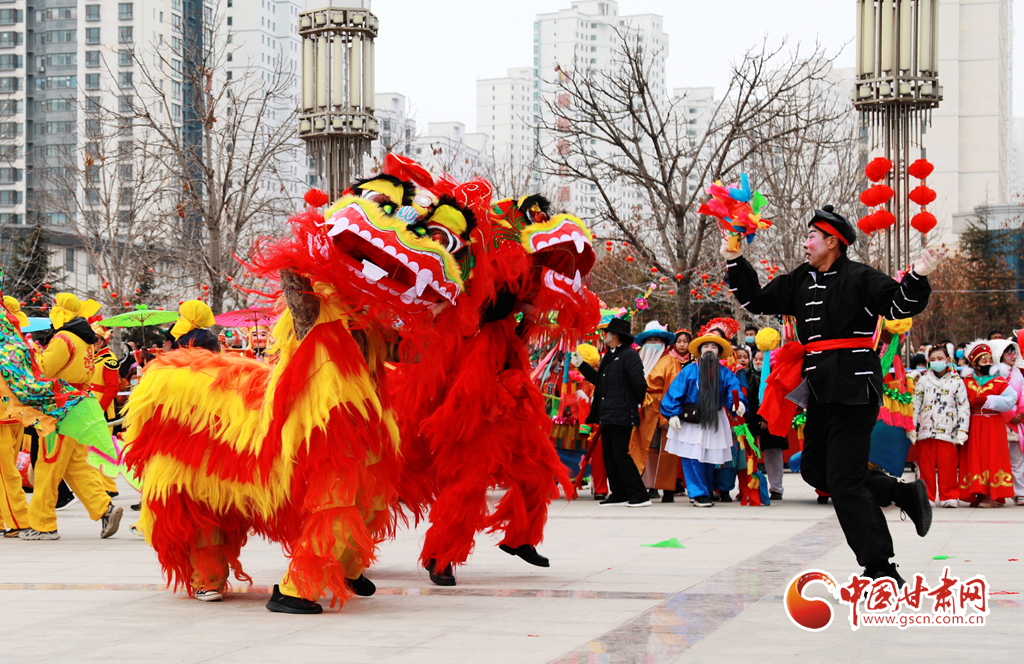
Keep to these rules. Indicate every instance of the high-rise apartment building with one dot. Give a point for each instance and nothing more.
(504, 112)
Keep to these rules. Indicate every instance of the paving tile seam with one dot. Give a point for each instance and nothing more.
(700, 612)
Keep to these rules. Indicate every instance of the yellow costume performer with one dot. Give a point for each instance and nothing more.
(13, 505)
(69, 356)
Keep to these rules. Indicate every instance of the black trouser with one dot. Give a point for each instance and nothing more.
(837, 443)
(623, 477)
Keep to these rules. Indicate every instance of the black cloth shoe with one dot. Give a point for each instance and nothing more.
(113, 494)
(668, 497)
(726, 498)
(823, 500)
(280, 603)
(886, 569)
(64, 496)
(703, 501)
(442, 578)
(361, 586)
(600, 496)
(774, 495)
(613, 500)
(912, 498)
(527, 553)
(136, 507)
(652, 493)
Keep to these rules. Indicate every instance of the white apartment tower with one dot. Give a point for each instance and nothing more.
(504, 111)
(589, 34)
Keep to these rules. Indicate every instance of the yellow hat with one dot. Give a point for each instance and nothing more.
(67, 306)
(12, 305)
(192, 314)
(711, 338)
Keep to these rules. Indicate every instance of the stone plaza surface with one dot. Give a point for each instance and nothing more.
(605, 599)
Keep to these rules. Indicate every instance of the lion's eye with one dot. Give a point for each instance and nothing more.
(378, 198)
(444, 237)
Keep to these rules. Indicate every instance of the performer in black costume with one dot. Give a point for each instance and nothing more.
(836, 302)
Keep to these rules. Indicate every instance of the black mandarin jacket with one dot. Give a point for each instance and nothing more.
(841, 303)
(621, 387)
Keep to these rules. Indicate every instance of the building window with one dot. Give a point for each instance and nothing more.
(92, 104)
(127, 193)
(10, 197)
(61, 59)
(92, 35)
(11, 16)
(125, 34)
(67, 36)
(176, 90)
(92, 127)
(92, 58)
(58, 13)
(55, 82)
(124, 79)
(69, 259)
(92, 81)
(11, 61)
(10, 175)
(124, 57)
(10, 39)
(92, 12)
(230, 21)
(10, 106)
(176, 66)
(124, 11)
(9, 84)
(92, 196)
(124, 104)
(176, 5)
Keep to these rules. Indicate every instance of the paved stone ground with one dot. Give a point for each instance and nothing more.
(605, 599)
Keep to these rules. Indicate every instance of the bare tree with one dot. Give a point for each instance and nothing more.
(224, 132)
(632, 150)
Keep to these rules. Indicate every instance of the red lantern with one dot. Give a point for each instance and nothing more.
(316, 198)
(876, 195)
(922, 195)
(151, 270)
(113, 295)
(181, 302)
(698, 296)
(205, 287)
(866, 224)
(229, 278)
(127, 303)
(920, 169)
(625, 244)
(885, 219)
(877, 169)
(671, 292)
(654, 270)
(137, 291)
(679, 276)
(693, 291)
(924, 221)
(704, 277)
(106, 285)
(663, 279)
(629, 259)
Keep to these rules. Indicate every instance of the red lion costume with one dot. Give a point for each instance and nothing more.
(471, 417)
(304, 453)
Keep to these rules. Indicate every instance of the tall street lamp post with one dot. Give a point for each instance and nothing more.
(336, 118)
(897, 86)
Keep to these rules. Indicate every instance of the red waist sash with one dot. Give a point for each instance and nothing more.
(787, 363)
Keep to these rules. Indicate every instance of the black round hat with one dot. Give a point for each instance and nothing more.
(621, 327)
(827, 220)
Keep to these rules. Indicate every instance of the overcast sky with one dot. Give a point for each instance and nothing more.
(433, 51)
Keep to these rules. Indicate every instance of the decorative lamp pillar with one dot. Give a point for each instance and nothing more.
(897, 86)
(336, 114)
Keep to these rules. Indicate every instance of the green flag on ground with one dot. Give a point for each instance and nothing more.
(667, 544)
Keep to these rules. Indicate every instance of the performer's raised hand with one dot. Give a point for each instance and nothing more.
(726, 253)
(740, 409)
(675, 423)
(928, 260)
(576, 359)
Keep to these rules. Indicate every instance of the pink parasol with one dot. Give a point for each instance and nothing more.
(250, 317)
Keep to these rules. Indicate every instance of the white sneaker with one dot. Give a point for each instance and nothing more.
(1018, 500)
(946, 503)
(209, 595)
(110, 521)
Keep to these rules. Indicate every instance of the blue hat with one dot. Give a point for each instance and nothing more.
(656, 330)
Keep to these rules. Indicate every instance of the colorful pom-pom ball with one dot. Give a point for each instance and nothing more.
(897, 327)
(768, 339)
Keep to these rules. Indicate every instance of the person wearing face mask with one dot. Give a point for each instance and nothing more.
(749, 335)
(620, 388)
(942, 416)
(696, 407)
(1008, 367)
(835, 374)
(985, 478)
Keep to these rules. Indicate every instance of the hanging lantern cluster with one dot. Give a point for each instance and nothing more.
(923, 195)
(877, 196)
